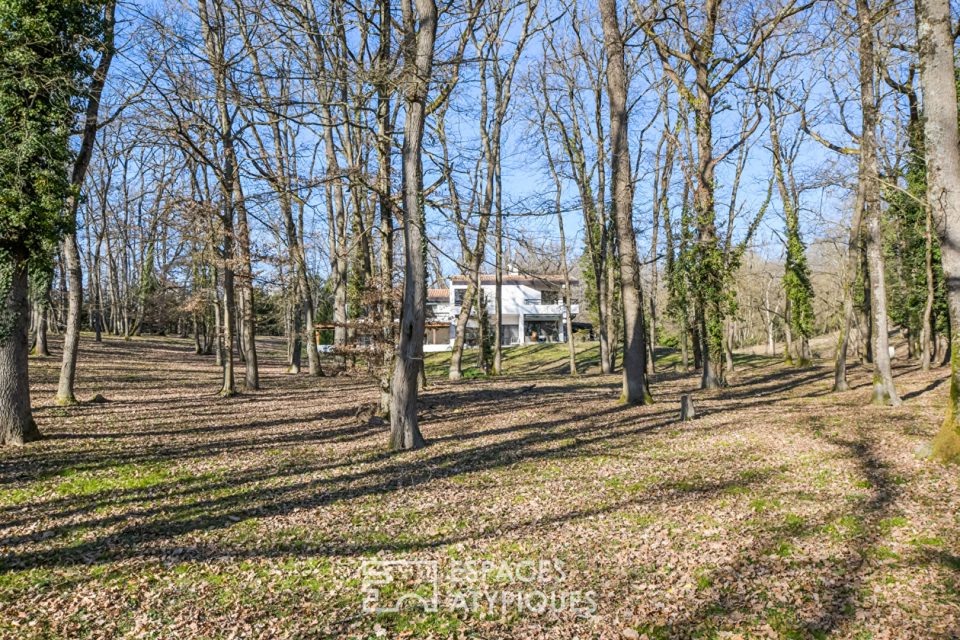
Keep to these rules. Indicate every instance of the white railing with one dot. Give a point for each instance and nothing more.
(529, 306)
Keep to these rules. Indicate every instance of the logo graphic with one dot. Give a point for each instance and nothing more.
(418, 582)
(534, 586)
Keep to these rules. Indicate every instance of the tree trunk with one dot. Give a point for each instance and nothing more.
(661, 209)
(197, 342)
(711, 314)
(385, 205)
(295, 332)
(481, 302)
(850, 277)
(865, 314)
(653, 285)
(71, 337)
(498, 285)
(71, 251)
(227, 319)
(884, 391)
(58, 316)
(936, 48)
(112, 284)
(564, 263)
(41, 318)
(97, 295)
(695, 341)
(926, 321)
(567, 290)
(218, 328)
(947, 356)
(684, 339)
(768, 317)
(635, 389)
(710, 372)
(213, 35)
(606, 357)
(460, 332)
(728, 344)
(249, 324)
(338, 241)
(418, 63)
(16, 419)
(613, 337)
(787, 335)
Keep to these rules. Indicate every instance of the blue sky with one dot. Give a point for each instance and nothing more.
(527, 185)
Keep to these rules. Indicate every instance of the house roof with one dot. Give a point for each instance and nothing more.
(508, 278)
(438, 295)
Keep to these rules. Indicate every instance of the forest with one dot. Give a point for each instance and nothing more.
(479, 319)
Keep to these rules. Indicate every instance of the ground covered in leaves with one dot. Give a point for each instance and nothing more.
(541, 508)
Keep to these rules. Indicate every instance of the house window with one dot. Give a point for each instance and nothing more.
(458, 297)
(542, 331)
(549, 297)
(437, 335)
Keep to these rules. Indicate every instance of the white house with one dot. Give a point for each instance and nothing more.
(439, 318)
(533, 310)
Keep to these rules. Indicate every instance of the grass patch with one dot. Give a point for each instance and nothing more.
(703, 579)
(13, 582)
(762, 505)
(78, 483)
(884, 553)
(543, 358)
(794, 523)
(845, 528)
(788, 625)
(642, 521)
(623, 485)
(927, 541)
(119, 478)
(889, 524)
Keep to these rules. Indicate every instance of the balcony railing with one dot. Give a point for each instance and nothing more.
(530, 309)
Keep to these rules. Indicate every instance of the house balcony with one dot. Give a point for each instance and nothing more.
(539, 309)
(527, 308)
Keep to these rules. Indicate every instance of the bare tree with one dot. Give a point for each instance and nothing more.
(575, 117)
(71, 250)
(884, 391)
(276, 163)
(634, 348)
(385, 122)
(938, 79)
(564, 264)
(716, 56)
(419, 36)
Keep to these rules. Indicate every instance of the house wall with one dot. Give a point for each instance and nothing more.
(519, 300)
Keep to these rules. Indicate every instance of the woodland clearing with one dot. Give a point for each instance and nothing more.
(783, 511)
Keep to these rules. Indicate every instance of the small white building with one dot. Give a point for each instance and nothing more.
(533, 310)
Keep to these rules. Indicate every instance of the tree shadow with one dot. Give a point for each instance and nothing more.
(927, 389)
(473, 429)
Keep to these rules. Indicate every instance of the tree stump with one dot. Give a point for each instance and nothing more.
(687, 410)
